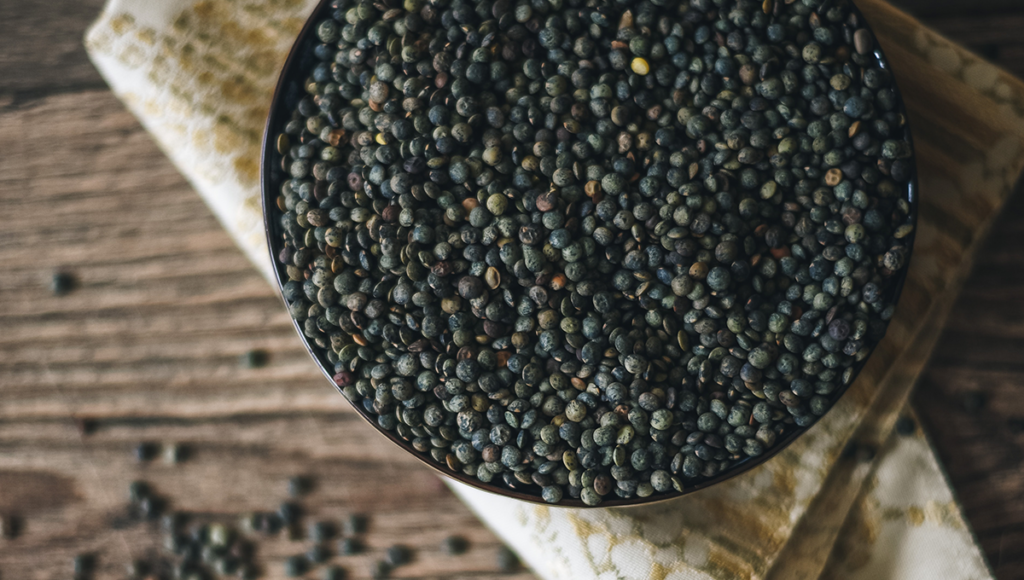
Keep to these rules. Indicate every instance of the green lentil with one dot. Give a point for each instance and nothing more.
(145, 451)
(905, 425)
(253, 359)
(10, 526)
(321, 531)
(295, 566)
(299, 485)
(349, 546)
(506, 560)
(83, 566)
(454, 545)
(61, 283)
(379, 570)
(397, 555)
(354, 524)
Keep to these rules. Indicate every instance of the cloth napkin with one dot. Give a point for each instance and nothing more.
(199, 76)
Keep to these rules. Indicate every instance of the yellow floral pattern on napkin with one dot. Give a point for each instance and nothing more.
(199, 76)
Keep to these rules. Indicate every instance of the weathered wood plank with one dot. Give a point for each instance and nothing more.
(41, 47)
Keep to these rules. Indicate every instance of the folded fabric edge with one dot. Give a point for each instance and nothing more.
(944, 474)
(908, 498)
(235, 206)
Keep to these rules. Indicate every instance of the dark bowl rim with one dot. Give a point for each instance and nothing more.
(289, 74)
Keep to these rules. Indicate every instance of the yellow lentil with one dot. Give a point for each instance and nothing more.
(640, 66)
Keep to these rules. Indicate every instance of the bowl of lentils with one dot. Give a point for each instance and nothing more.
(589, 252)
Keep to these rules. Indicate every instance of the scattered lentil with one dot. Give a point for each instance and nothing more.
(253, 359)
(137, 569)
(318, 554)
(349, 546)
(397, 555)
(354, 524)
(321, 531)
(86, 425)
(174, 453)
(61, 283)
(865, 452)
(137, 491)
(850, 450)
(218, 535)
(905, 425)
(295, 566)
(506, 560)
(379, 570)
(10, 526)
(145, 451)
(299, 485)
(454, 545)
(289, 513)
(83, 566)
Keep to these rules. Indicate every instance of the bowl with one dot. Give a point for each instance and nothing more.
(290, 89)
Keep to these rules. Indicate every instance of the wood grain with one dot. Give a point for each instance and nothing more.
(41, 47)
(148, 344)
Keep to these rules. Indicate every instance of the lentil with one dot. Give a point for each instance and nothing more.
(865, 453)
(905, 425)
(397, 556)
(318, 554)
(145, 451)
(10, 526)
(253, 359)
(321, 531)
(174, 453)
(83, 566)
(454, 545)
(354, 524)
(349, 546)
(300, 485)
(61, 283)
(289, 513)
(506, 560)
(295, 566)
(379, 570)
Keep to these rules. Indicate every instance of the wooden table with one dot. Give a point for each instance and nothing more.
(147, 346)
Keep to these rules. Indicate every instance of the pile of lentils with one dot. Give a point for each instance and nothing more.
(211, 550)
(593, 249)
